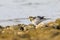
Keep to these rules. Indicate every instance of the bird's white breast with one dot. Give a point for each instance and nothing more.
(36, 21)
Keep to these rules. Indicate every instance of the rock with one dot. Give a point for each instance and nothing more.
(22, 28)
(53, 25)
(1, 27)
(58, 21)
(40, 25)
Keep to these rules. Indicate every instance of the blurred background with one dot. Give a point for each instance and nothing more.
(10, 9)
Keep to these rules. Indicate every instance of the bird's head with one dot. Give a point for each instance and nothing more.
(31, 18)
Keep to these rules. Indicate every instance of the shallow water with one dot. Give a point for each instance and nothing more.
(10, 9)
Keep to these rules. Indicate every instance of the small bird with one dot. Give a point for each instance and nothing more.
(38, 19)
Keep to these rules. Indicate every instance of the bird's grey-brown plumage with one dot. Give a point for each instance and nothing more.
(38, 19)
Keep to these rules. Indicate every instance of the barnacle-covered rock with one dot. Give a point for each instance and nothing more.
(40, 25)
(22, 27)
(53, 25)
(28, 27)
(31, 26)
(58, 21)
(40, 33)
(1, 27)
(50, 24)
